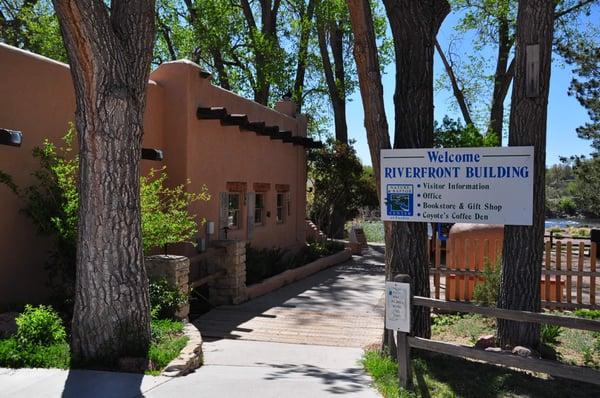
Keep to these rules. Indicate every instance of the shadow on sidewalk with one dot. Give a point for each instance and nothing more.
(325, 292)
(92, 384)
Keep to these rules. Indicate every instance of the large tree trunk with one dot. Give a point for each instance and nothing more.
(524, 245)
(306, 20)
(414, 27)
(109, 53)
(334, 75)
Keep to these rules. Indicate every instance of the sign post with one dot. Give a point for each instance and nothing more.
(458, 185)
(398, 301)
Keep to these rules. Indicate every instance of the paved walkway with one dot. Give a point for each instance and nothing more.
(304, 340)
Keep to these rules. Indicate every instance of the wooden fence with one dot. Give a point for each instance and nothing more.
(405, 342)
(569, 275)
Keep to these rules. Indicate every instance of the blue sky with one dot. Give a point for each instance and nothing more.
(564, 112)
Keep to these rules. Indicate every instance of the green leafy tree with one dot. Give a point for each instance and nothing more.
(32, 25)
(586, 86)
(586, 188)
(339, 187)
(453, 134)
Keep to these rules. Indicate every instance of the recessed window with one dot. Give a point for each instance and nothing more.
(259, 209)
(280, 208)
(234, 211)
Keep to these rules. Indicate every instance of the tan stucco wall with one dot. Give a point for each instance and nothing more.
(36, 97)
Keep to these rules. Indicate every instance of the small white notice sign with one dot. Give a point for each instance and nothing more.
(397, 306)
(458, 185)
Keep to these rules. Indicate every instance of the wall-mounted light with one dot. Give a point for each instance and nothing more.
(10, 137)
(152, 154)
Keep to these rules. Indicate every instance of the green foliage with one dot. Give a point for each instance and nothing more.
(384, 372)
(452, 134)
(165, 215)
(165, 299)
(586, 85)
(33, 26)
(166, 343)
(559, 191)
(262, 263)
(374, 231)
(549, 334)
(588, 314)
(339, 186)
(586, 190)
(39, 326)
(13, 355)
(486, 292)
(40, 341)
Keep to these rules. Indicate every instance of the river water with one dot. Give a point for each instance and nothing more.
(567, 222)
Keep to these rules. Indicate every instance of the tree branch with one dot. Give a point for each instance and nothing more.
(458, 94)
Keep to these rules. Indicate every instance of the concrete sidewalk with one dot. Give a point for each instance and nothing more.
(254, 359)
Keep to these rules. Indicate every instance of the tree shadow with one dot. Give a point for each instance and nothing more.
(344, 381)
(323, 292)
(92, 384)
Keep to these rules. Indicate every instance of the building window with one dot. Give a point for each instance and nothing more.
(259, 209)
(281, 207)
(234, 211)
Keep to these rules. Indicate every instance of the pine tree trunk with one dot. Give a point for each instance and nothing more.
(414, 27)
(524, 245)
(109, 53)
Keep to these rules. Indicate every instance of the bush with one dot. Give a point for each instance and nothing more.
(39, 326)
(40, 341)
(165, 299)
(263, 263)
(486, 292)
(549, 334)
(567, 206)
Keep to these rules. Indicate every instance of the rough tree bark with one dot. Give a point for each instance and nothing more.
(334, 75)
(524, 245)
(109, 50)
(306, 19)
(371, 91)
(414, 27)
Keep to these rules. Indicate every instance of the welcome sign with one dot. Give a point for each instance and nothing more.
(458, 185)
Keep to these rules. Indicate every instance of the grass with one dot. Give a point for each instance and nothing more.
(461, 329)
(167, 341)
(441, 376)
(14, 355)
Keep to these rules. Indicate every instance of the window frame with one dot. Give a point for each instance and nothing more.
(238, 211)
(280, 220)
(261, 209)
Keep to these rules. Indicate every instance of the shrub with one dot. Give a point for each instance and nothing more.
(40, 341)
(263, 263)
(165, 299)
(486, 292)
(566, 205)
(549, 334)
(39, 326)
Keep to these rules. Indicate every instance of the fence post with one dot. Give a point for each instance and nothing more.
(403, 348)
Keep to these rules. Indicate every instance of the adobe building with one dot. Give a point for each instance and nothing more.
(251, 158)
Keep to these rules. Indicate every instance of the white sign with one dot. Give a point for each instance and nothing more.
(458, 185)
(397, 306)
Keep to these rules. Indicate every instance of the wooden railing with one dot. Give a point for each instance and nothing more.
(569, 275)
(405, 342)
